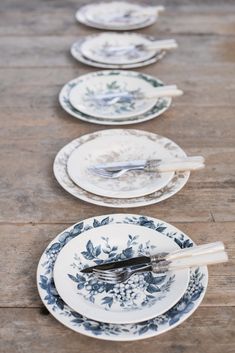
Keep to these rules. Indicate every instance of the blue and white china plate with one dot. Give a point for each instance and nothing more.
(96, 94)
(61, 173)
(78, 55)
(141, 298)
(116, 15)
(110, 47)
(160, 107)
(118, 332)
(119, 147)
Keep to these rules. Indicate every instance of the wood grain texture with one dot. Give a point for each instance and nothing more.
(35, 37)
(208, 330)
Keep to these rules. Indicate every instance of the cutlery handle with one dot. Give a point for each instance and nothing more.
(151, 10)
(187, 262)
(162, 44)
(187, 163)
(197, 250)
(189, 252)
(164, 91)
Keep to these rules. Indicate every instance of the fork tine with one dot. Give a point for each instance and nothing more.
(101, 172)
(108, 280)
(108, 274)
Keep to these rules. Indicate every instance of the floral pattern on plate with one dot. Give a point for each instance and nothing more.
(60, 172)
(76, 51)
(113, 94)
(118, 48)
(125, 295)
(160, 107)
(84, 294)
(114, 15)
(127, 332)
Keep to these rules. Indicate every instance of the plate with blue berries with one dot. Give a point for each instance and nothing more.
(75, 320)
(142, 297)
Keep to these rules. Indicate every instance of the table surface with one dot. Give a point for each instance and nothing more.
(35, 37)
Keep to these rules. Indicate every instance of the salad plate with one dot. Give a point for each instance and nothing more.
(171, 318)
(60, 171)
(142, 297)
(76, 52)
(107, 47)
(116, 16)
(114, 146)
(161, 105)
(112, 96)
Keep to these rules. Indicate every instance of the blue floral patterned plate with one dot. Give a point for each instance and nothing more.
(160, 107)
(140, 298)
(118, 332)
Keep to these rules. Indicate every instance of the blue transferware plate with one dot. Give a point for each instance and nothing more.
(142, 297)
(118, 332)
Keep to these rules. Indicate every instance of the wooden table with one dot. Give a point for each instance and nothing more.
(35, 37)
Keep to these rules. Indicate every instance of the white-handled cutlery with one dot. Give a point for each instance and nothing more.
(117, 169)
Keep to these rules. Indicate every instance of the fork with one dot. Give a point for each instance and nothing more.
(154, 45)
(161, 267)
(157, 165)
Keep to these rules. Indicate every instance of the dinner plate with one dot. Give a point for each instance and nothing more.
(112, 94)
(160, 107)
(77, 54)
(118, 332)
(118, 146)
(112, 48)
(115, 16)
(60, 172)
(142, 297)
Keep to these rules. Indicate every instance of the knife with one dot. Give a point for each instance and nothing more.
(159, 257)
(119, 264)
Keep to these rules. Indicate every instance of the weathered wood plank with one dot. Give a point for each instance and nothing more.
(208, 330)
(23, 244)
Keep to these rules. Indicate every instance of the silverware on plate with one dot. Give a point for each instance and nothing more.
(162, 256)
(117, 169)
(161, 267)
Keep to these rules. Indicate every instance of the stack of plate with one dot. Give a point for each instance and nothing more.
(144, 306)
(135, 188)
(89, 97)
(117, 16)
(109, 50)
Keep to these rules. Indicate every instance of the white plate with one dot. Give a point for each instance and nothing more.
(98, 48)
(160, 107)
(135, 102)
(119, 147)
(110, 16)
(141, 298)
(115, 332)
(60, 172)
(77, 54)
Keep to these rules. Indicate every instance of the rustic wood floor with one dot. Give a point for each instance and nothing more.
(35, 37)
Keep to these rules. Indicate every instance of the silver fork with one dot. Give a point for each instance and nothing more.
(102, 172)
(120, 275)
(155, 165)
